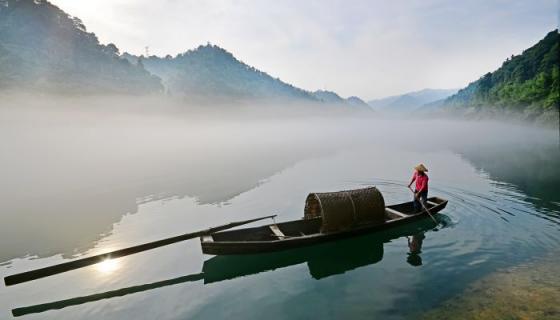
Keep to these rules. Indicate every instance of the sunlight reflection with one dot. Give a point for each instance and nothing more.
(107, 266)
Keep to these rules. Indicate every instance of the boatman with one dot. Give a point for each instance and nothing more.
(421, 190)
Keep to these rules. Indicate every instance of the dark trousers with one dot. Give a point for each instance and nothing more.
(423, 197)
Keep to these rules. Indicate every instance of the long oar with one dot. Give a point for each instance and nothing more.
(423, 205)
(80, 263)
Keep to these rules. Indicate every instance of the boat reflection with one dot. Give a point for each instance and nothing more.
(323, 260)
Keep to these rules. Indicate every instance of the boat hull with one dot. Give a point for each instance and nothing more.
(219, 244)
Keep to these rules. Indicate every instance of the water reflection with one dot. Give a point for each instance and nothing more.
(78, 184)
(322, 260)
(66, 188)
(529, 167)
(415, 247)
(79, 172)
(107, 266)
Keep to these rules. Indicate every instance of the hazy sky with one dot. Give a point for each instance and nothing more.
(354, 47)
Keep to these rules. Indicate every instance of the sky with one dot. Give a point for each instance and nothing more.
(369, 49)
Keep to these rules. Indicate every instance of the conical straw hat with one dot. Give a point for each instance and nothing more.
(421, 167)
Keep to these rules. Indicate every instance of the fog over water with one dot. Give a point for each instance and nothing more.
(87, 175)
(78, 165)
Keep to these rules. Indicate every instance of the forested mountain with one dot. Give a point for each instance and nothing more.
(210, 71)
(41, 47)
(44, 49)
(411, 100)
(528, 83)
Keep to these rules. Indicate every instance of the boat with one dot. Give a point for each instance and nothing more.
(322, 261)
(327, 217)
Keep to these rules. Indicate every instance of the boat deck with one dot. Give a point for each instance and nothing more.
(305, 228)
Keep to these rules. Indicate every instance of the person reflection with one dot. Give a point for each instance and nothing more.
(415, 247)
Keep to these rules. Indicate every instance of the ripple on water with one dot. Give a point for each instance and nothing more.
(498, 223)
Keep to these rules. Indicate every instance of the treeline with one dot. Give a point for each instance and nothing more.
(527, 83)
(43, 48)
(211, 71)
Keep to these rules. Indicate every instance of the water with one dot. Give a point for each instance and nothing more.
(526, 291)
(82, 182)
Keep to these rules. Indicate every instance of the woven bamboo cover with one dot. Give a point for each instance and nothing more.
(345, 210)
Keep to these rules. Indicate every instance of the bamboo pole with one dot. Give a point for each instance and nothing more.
(84, 262)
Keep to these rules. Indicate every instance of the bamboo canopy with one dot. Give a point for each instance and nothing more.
(345, 210)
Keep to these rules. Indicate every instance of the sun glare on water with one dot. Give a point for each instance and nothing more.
(107, 266)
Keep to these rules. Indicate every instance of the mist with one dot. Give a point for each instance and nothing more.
(123, 123)
(78, 164)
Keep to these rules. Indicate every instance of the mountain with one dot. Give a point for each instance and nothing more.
(357, 102)
(44, 49)
(527, 84)
(332, 98)
(212, 72)
(411, 100)
(41, 47)
(329, 97)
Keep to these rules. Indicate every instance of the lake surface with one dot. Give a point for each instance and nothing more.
(80, 182)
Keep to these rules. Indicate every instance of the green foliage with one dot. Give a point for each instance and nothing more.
(211, 71)
(529, 81)
(41, 47)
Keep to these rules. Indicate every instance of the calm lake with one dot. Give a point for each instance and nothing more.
(81, 182)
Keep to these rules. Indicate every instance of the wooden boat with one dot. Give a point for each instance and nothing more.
(323, 260)
(327, 217)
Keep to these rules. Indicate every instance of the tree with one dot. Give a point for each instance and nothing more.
(139, 62)
(78, 24)
(111, 49)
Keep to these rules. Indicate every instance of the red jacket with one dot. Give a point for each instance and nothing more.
(421, 181)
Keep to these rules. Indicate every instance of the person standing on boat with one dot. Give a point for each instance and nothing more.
(421, 190)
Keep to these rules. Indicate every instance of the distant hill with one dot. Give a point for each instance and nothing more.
(210, 71)
(44, 49)
(411, 100)
(329, 97)
(332, 98)
(41, 47)
(527, 84)
(357, 102)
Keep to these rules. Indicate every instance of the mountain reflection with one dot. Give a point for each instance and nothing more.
(78, 179)
(322, 260)
(78, 166)
(531, 168)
